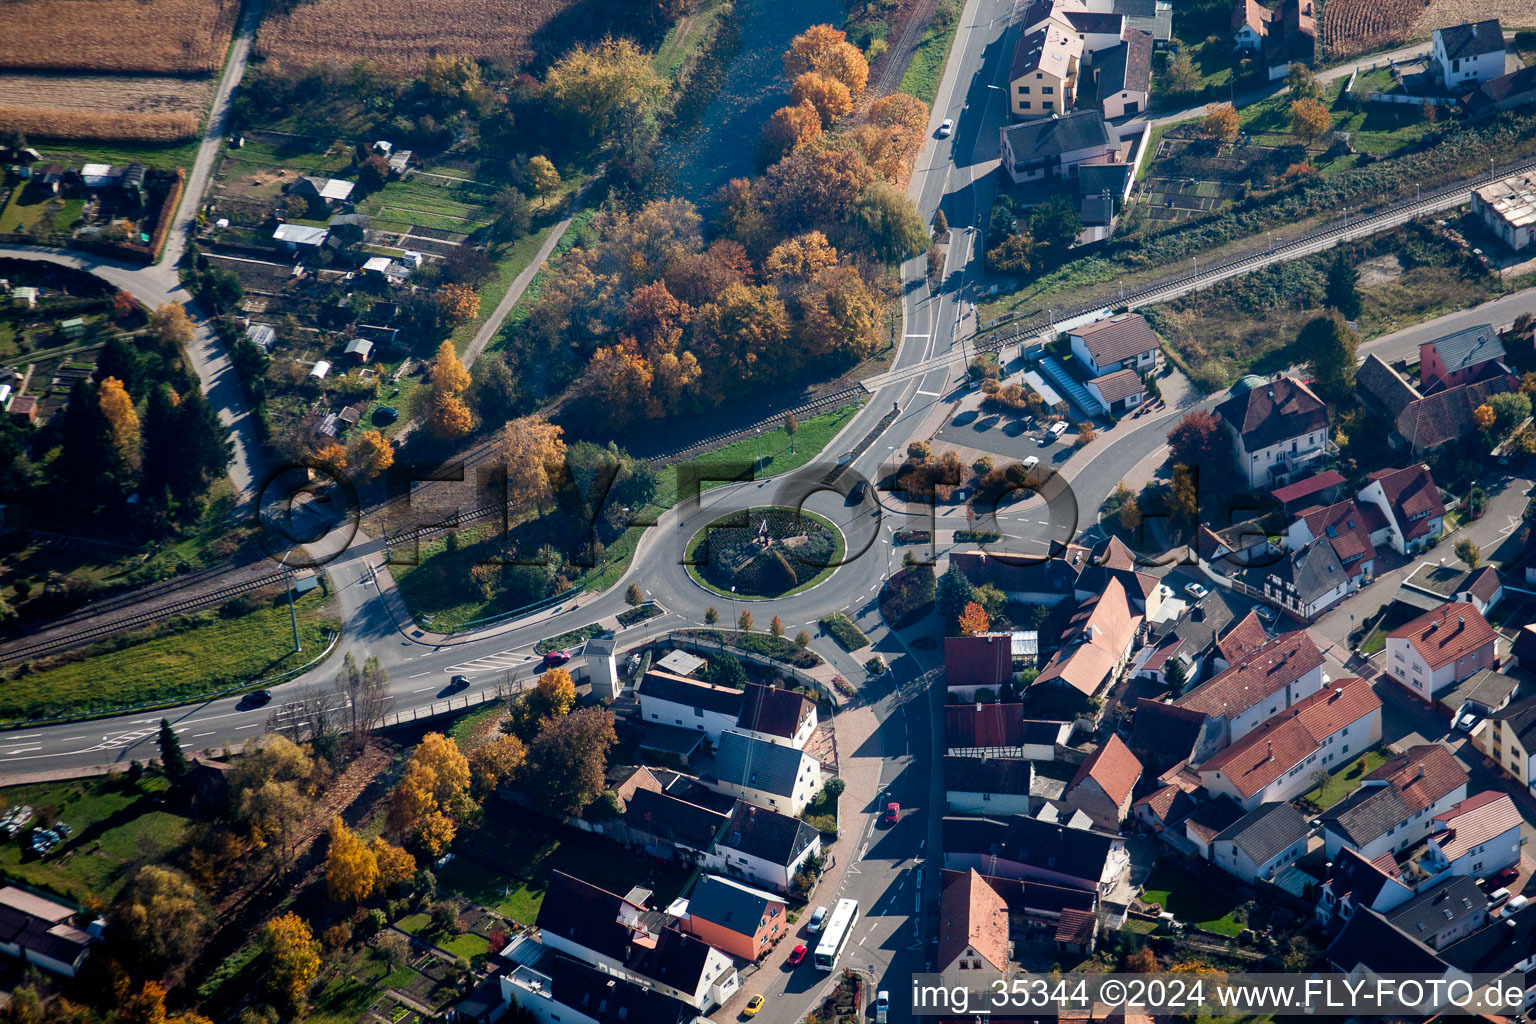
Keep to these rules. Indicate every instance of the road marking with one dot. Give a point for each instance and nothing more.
(200, 735)
(253, 725)
(418, 675)
(904, 337)
(933, 394)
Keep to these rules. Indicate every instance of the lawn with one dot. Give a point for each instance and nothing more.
(117, 826)
(1343, 781)
(505, 864)
(169, 665)
(511, 260)
(163, 155)
(296, 153)
(686, 33)
(1203, 900)
(30, 204)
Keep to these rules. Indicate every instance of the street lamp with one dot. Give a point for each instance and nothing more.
(757, 462)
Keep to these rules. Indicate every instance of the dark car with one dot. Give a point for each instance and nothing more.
(458, 683)
(859, 492)
(554, 659)
(256, 698)
(384, 414)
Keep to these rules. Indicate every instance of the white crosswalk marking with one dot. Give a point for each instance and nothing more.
(499, 662)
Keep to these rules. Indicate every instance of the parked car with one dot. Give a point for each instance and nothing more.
(947, 128)
(818, 918)
(1498, 897)
(1030, 463)
(796, 955)
(1266, 614)
(753, 1005)
(1196, 591)
(882, 1006)
(1508, 875)
(892, 812)
(554, 659)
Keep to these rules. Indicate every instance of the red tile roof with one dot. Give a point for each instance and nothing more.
(1411, 492)
(1242, 639)
(1256, 677)
(1308, 487)
(1452, 631)
(1286, 740)
(1075, 926)
(1093, 642)
(1117, 338)
(972, 914)
(1438, 418)
(1476, 820)
(1112, 387)
(985, 659)
(1422, 774)
(1344, 526)
(983, 725)
(1483, 584)
(1113, 767)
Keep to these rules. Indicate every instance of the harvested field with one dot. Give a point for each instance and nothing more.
(400, 38)
(1348, 27)
(166, 36)
(107, 107)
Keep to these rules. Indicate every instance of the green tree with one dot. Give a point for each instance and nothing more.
(159, 917)
(1509, 409)
(1343, 289)
(172, 758)
(1055, 224)
(1469, 553)
(568, 759)
(953, 593)
(1182, 75)
(1329, 346)
(513, 215)
(609, 90)
(890, 221)
(1176, 676)
(1301, 83)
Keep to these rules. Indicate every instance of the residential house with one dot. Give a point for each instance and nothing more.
(1096, 645)
(1250, 24)
(1370, 946)
(625, 939)
(996, 786)
(669, 699)
(1410, 503)
(1506, 948)
(1461, 358)
(1469, 53)
(1317, 489)
(1118, 393)
(1123, 75)
(1309, 581)
(1478, 837)
(558, 989)
(1516, 89)
(1508, 739)
(1450, 911)
(1291, 39)
(982, 661)
(776, 714)
(1278, 429)
(1200, 639)
(1266, 681)
(734, 918)
(764, 847)
(1167, 805)
(768, 774)
(1439, 649)
(1277, 761)
(1098, 30)
(1165, 736)
(1383, 388)
(1353, 883)
(1508, 207)
(1477, 697)
(1348, 529)
(1032, 850)
(300, 236)
(1052, 147)
(973, 930)
(1208, 820)
(1261, 843)
(1042, 80)
(1123, 342)
(1396, 804)
(1431, 421)
(1103, 784)
(1042, 738)
(38, 931)
(984, 730)
(1482, 589)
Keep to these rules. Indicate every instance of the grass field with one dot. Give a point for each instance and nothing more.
(923, 75)
(505, 864)
(213, 654)
(28, 208)
(1343, 781)
(165, 155)
(167, 36)
(1202, 901)
(673, 50)
(400, 39)
(117, 826)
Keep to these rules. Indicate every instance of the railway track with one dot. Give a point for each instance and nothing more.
(901, 53)
(52, 645)
(139, 595)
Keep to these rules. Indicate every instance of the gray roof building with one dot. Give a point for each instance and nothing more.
(1472, 40)
(1266, 832)
(1054, 136)
(1471, 347)
(1311, 571)
(1384, 386)
(758, 764)
(729, 904)
(1127, 66)
(1454, 907)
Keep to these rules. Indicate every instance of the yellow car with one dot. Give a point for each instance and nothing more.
(753, 1005)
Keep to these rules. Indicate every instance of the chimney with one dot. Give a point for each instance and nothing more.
(1269, 750)
(1461, 622)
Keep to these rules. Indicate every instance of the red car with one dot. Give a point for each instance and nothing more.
(554, 659)
(796, 955)
(892, 813)
(1508, 875)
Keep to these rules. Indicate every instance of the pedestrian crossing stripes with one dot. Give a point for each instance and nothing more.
(502, 661)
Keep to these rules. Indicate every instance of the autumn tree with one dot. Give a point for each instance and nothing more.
(827, 95)
(973, 619)
(790, 426)
(1221, 122)
(369, 454)
(1085, 434)
(460, 304)
(796, 260)
(711, 615)
(293, 959)
(1184, 496)
(1329, 345)
(532, 452)
(568, 760)
(552, 697)
(161, 916)
(396, 865)
(1130, 514)
(171, 325)
(633, 596)
(433, 792)
(122, 421)
(351, 870)
(790, 128)
(1310, 119)
(839, 315)
(953, 592)
(776, 626)
(447, 416)
(826, 50)
(542, 175)
(748, 326)
(1483, 417)
(744, 621)
(607, 90)
(495, 761)
(1197, 439)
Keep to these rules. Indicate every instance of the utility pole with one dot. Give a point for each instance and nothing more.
(293, 615)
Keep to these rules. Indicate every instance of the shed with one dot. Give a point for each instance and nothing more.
(295, 235)
(26, 294)
(72, 328)
(320, 369)
(376, 265)
(360, 349)
(261, 335)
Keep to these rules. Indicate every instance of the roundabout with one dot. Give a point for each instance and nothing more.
(764, 553)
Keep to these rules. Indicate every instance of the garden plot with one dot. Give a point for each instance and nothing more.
(447, 212)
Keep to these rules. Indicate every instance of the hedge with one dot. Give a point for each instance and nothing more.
(842, 629)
